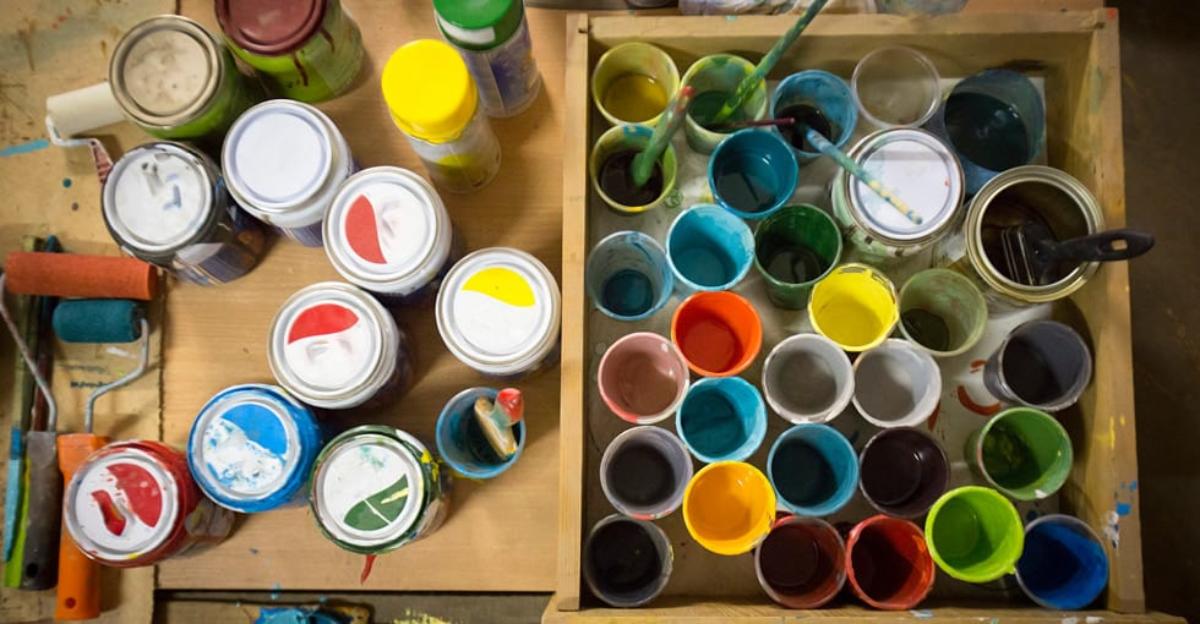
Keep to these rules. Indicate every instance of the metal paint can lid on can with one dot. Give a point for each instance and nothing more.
(166, 70)
(271, 27)
(498, 311)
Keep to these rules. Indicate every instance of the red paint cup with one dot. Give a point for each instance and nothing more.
(888, 563)
(719, 333)
(642, 378)
(802, 562)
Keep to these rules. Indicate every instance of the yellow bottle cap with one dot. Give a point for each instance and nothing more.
(428, 90)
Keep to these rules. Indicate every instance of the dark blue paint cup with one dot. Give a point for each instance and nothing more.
(814, 469)
(1064, 565)
(462, 443)
(709, 249)
(753, 173)
(722, 419)
(799, 95)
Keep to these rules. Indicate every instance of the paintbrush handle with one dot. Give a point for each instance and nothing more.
(666, 127)
(845, 162)
(758, 123)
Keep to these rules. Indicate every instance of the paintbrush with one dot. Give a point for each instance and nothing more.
(845, 162)
(498, 418)
(670, 121)
(755, 123)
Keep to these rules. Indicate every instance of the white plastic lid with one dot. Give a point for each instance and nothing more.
(244, 445)
(370, 490)
(278, 155)
(122, 505)
(920, 170)
(158, 196)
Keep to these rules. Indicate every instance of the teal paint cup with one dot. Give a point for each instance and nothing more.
(974, 534)
(816, 99)
(793, 249)
(722, 419)
(753, 173)
(709, 248)
(462, 443)
(813, 469)
(628, 276)
(1022, 452)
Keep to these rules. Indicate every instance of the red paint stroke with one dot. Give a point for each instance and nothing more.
(937, 409)
(141, 492)
(322, 319)
(512, 403)
(362, 231)
(977, 364)
(983, 410)
(368, 565)
(114, 520)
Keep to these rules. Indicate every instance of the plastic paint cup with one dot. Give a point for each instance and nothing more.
(1042, 364)
(644, 472)
(896, 86)
(854, 306)
(819, 100)
(903, 471)
(633, 82)
(896, 385)
(1022, 452)
(715, 77)
(942, 311)
(626, 562)
(722, 419)
(708, 248)
(813, 469)
(808, 379)
(621, 144)
(752, 173)
(628, 276)
(718, 333)
(463, 444)
(642, 378)
(1064, 565)
(793, 249)
(802, 562)
(974, 534)
(888, 563)
(729, 507)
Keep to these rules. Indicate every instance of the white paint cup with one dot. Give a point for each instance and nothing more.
(896, 385)
(807, 378)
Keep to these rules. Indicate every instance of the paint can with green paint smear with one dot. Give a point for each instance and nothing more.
(376, 489)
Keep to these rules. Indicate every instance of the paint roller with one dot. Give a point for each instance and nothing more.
(498, 418)
(76, 112)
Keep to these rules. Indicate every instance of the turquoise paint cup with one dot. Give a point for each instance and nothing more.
(722, 419)
(628, 276)
(709, 248)
(752, 174)
(813, 469)
(817, 99)
(462, 443)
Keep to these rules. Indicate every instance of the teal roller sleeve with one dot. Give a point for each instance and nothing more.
(97, 320)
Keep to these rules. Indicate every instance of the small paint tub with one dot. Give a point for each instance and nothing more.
(974, 534)
(628, 276)
(729, 507)
(610, 167)
(752, 173)
(1043, 364)
(807, 378)
(802, 562)
(854, 306)
(896, 86)
(943, 312)
(896, 385)
(626, 562)
(722, 419)
(633, 82)
(1064, 565)
(813, 469)
(718, 333)
(903, 471)
(1022, 452)
(642, 378)
(794, 249)
(816, 99)
(493, 38)
(709, 248)
(462, 443)
(644, 472)
(715, 78)
(888, 563)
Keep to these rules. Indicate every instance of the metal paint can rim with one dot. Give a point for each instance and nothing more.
(212, 50)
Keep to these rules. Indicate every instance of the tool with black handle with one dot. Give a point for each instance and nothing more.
(1033, 255)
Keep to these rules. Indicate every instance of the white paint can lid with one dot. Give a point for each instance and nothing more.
(921, 170)
(369, 490)
(159, 196)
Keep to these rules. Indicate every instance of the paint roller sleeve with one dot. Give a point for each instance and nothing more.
(97, 320)
(75, 275)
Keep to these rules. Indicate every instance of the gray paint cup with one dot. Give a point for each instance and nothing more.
(644, 472)
(1042, 364)
(807, 378)
(626, 562)
(896, 385)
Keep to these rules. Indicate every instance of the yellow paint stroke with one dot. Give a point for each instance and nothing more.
(395, 497)
(1112, 433)
(503, 284)
(416, 617)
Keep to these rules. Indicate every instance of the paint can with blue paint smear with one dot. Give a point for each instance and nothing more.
(252, 448)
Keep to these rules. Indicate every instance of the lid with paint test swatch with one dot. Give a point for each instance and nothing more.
(166, 70)
(270, 27)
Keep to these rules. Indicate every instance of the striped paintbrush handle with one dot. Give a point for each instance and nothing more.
(825, 147)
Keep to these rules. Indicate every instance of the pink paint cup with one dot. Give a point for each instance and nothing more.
(642, 378)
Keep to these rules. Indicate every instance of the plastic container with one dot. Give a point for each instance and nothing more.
(752, 173)
(794, 249)
(888, 564)
(816, 99)
(943, 312)
(896, 385)
(715, 77)
(642, 378)
(493, 38)
(974, 534)
(729, 507)
(709, 249)
(813, 469)
(718, 333)
(1043, 364)
(633, 82)
(1063, 565)
(807, 378)
(626, 562)
(462, 443)
(722, 419)
(611, 179)
(1025, 453)
(802, 562)
(896, 86)
(903, 471)
(854, 306)
(644, 472)
(628, 276)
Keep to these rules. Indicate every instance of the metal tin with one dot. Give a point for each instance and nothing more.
(377, 488)
(252, 448)
(334, 346)
(498, 311)
(283, 162)
(165, 203)
(493, 38)
(134, 504)
(918, 167)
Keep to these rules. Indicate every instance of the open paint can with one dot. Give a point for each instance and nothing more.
(808, 378)
(729, 507)
(644, 472)
(462, 442)
(1064, 565)
(628, 276)
(802, 562)
(813, 469)
(626, 562)
(642, 378)
(888, 563)
(722, 419)
(1022, 452)
(896, 385)
(974, 534)
(1043, 364)
(854, 306)
(903, 471)
(719, 333)
(709, 248)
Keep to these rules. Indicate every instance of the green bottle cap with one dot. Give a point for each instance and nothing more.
(478, 24)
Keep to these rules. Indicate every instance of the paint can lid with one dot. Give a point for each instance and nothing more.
(270, 27)
(428, 90)
(478, 24)
(159, 197)
(165, 70)
(498, 311)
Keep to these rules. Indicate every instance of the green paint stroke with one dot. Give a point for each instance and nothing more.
(379, 509)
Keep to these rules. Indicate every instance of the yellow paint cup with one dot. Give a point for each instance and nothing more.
(728, 507)
(855, 306)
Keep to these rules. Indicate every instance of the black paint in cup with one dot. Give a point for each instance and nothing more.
(1042, 364)
(903, 471)
(626, 562)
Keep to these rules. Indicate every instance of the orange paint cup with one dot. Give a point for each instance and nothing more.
(729, 507)
(719, 333)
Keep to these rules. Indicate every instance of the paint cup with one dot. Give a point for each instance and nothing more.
(1042, 364)
(974, 534)
(815, 99)
(802, 562)
(854, 306)
(729, 507)
(626, 562)
(722, 419)
(715, 77)
(942, 311)
(807, 379)
(718, 333)
(642, 378)
(896, 385)
(644, 472)
(709, 248)
(462, 442)
(903, 471)
(611, 170)
(1064, 565)
(813, 469)
(888, 563)
(752, 173)
(628, 276)
(793, 249)
(1022, 452)
(633, 82)
(896, 86)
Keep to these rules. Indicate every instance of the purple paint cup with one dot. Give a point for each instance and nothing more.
(642, 378)
(903, 471)
(1042, 364)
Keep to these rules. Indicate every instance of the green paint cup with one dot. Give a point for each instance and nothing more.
(715, 78)
(942, 311)
(1022, 452)
(974, 534)
(620, 144)
(793, 249)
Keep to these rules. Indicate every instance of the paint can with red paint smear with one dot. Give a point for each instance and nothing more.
(135, 504)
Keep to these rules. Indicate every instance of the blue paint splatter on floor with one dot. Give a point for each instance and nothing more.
(1123, 509)
(67, 182)
(24, 148)
(276, 591)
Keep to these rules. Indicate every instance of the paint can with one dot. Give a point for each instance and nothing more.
(802, 562)
(903, 471)
(644, 472)
(816, 99)
(807, 378)
(626, 562)
(134, 504)
(729, 507)
(435, 103)
(628, 276)
(715, 77)
(388, 232)
(493, 38)
(252, 448)
(920, 169)
(178, 81)
(610, 166)
(896, 86)
(974, 534)
(307, 50)
(642, 378)
(888, 563)
(633, 82)
(335, 347)
(718, 333)
(376, 489)
(165, 203)
(752, 173)
(722, 419)
(283, 162)
(942, 312)
(709, 248)
(1043, 364)
(794, 249)
(1063, 565)
(1023, 452)
(896, 385)
(498, 311)
(463, 444)
(854, 306)
(813, 469)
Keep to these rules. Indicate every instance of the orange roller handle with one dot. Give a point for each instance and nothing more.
(77, 275)
(78, 576)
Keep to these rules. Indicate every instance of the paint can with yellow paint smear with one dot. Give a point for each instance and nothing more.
(855, 306)
(729, 507)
